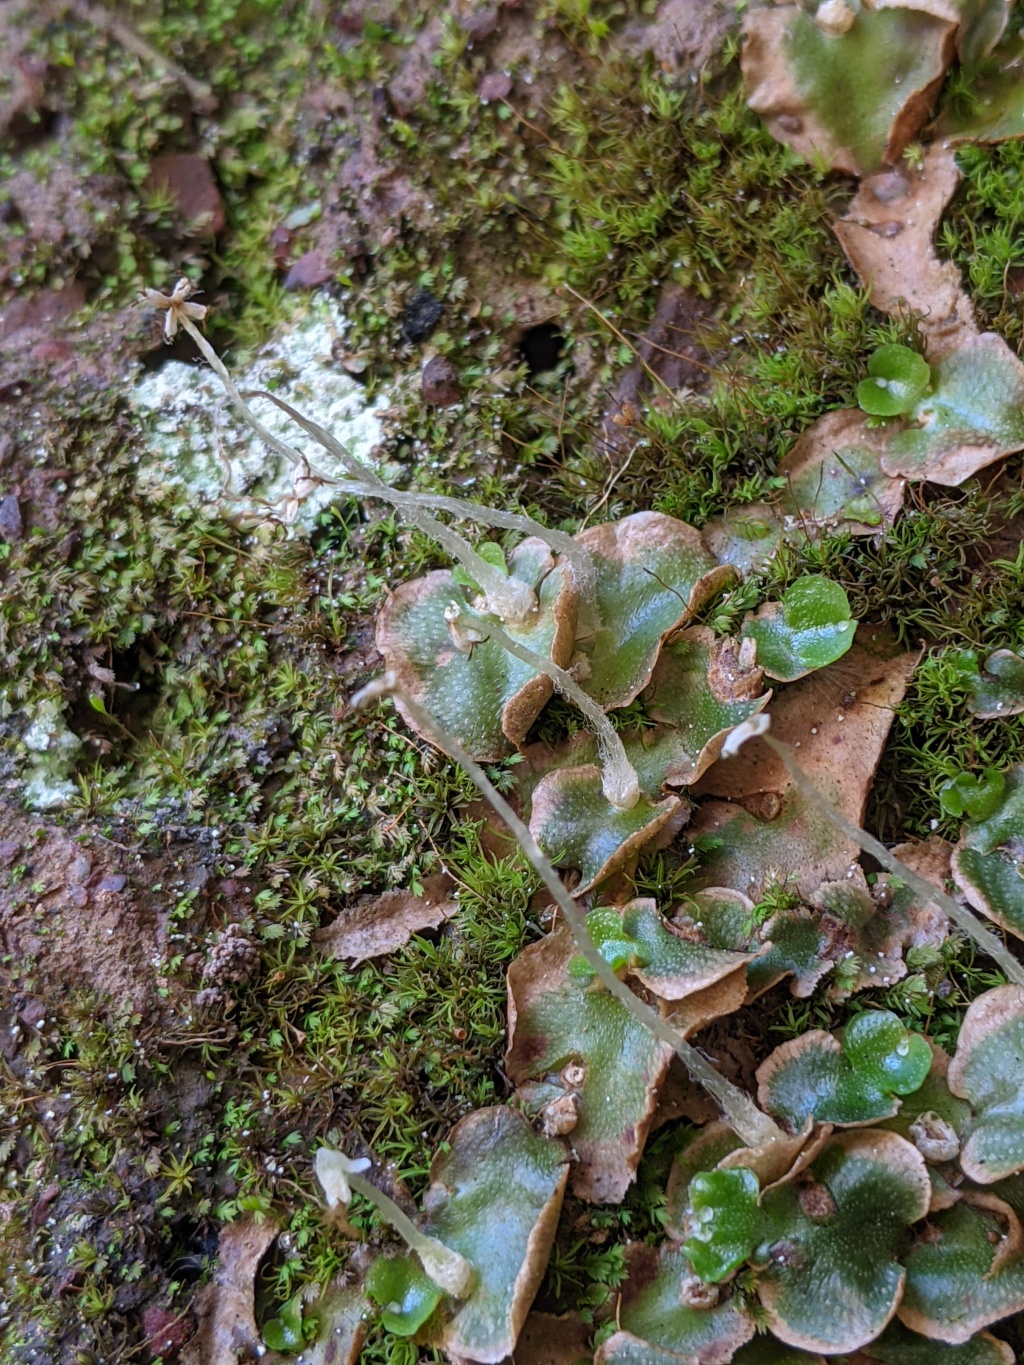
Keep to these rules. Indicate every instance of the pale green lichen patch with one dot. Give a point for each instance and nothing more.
(196, 441)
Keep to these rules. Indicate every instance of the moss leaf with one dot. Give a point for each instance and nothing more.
(898, 379)
(998, 690)
(576, 827)
(850, 1082)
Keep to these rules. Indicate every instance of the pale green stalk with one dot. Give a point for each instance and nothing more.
(447, 1268)
(619, 781)
(962, 917)
(752, 1126)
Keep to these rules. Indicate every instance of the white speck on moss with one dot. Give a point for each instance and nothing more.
(196, 440)
(52, 748)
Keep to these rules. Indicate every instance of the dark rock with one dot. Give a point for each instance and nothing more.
(187, 178)
(309, 271)
(9, 850)
(480, 24)
(421, 315)
(11, 527)
(496, 85)
(441, 385)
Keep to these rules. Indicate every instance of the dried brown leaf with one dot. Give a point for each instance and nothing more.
(888, 234)
(837, 720)
(225, 1308)
(376, 925)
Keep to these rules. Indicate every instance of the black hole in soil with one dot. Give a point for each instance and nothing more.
(541, 348)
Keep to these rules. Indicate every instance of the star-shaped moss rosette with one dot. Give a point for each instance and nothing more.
(569, 1037)
(834, 478)
(810, 628)
(847, 1082)
(479, 692)
(966, 1269)
(988, 863)
(653, 573)
(987, 1071)
(995, 689)
(847, 86)
(664, 1303)
(494, 1197)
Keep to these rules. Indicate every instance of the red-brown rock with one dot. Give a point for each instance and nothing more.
(441, 385)
(309, 271)
(187, 178)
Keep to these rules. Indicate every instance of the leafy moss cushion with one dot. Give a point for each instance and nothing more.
(828, 1275)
